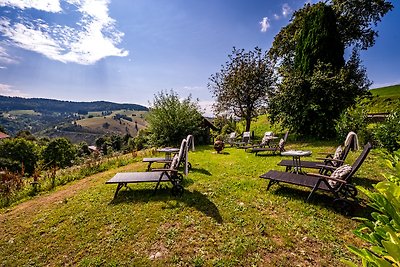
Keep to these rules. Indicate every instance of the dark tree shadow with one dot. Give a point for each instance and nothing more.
(193, 199)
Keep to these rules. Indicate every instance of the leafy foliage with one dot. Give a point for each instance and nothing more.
(59, 153)
(241, 87)
(171, 120)
(319, 40)
(388, 133)
(382, 231)
(316, 87)
(309, 105)
(354, 119)
(10, 183)
(19, 155)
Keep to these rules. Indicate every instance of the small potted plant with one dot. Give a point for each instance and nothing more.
(219, 143)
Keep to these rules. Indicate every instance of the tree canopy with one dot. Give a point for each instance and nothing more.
(241, 87)
(317, 83)
(171, 119)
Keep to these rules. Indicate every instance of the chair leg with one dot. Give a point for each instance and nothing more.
(119, 186)
(313, 190)
(271, 182)
(149, 166)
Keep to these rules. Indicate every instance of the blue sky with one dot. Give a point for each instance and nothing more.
(125, 51)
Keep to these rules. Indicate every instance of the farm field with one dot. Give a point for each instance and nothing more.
(224, 218)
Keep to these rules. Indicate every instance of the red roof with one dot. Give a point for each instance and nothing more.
(3, 135)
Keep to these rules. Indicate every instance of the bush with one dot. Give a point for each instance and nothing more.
(10, 183)
(354, 119)
(388, 133)
(171, 120)
(19, 155)
(383, 230)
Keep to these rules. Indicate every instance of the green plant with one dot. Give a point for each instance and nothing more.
(354, 119)
(242, 86)
(10, 183)
(382, 231)
(388, 133)
(171, 120)
(19, 155)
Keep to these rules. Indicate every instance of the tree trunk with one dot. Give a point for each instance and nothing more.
(248, 121)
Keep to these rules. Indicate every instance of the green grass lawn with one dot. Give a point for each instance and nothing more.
(225, 218)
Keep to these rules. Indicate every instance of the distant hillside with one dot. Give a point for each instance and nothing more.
(385, 99)
(393, 90)
(49, 105)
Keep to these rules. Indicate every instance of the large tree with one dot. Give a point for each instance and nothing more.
(317, 84)
(241, 87)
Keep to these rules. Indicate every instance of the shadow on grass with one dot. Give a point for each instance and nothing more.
(321, 199)
(201, 170)
(193, 199)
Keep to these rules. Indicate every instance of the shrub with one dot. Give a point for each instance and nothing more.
(171, 120)
(19, 155)
(388, 133)
(10, 183)
(354, 119)
(383, 230)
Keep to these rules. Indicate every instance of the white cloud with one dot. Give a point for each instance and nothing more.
(94, 38)
(43, 5)
(5, 58)
(206, 107)
(7, 90)
(286, 10)
(265, 24)
(277, 17)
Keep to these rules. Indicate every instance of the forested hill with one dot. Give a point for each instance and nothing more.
(49, 105)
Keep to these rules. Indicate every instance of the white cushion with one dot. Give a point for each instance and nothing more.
(337, 155)
(281, 144)
(340, 173)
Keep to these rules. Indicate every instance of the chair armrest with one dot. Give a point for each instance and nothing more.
(164, 170)
(327, 177)
(322, 166)
(329, 159)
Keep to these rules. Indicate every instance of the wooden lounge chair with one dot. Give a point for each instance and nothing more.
(246, 138)
(155, 176)
(279, 147)
(341, 187)
(231, 139)
(167, 161)
(326, 165)
(265, 141)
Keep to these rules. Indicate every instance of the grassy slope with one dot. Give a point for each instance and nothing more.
(393, 90)
(386, 99)
(225, 218)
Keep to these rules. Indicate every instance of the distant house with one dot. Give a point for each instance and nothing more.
(3, 135)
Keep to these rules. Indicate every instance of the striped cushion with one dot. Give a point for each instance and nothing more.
(340, 173)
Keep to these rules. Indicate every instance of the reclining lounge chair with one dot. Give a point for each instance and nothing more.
(280, 147)
(155, 176)
(326, 165)
(339, 183)
(246, 137)
(167, 162)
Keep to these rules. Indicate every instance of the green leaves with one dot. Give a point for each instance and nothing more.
(243, 85)
(383, 230)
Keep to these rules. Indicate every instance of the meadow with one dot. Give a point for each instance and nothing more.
(224, 218)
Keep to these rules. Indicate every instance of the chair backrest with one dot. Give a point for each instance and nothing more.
(286, 135)
(246, 137)
(345, 153)
(190, 142)
(356, 165)
(177, 159)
